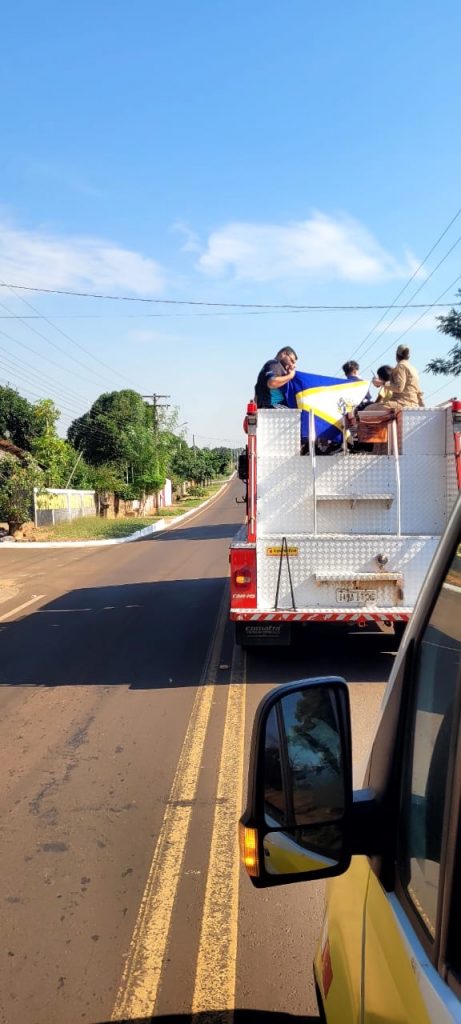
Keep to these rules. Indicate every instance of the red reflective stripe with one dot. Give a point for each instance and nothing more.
(322, 616)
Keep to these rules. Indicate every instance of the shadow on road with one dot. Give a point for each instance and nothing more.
(323, 649)
(221, 1017)
(219, 531)
(156, 635)
(141, 635)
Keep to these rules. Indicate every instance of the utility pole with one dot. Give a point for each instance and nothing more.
(156, 405)
(75, 467)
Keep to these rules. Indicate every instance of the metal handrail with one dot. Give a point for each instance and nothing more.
(395, 448)
(313, 465)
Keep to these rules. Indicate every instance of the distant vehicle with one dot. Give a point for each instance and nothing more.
(343, 538)
(389, 950)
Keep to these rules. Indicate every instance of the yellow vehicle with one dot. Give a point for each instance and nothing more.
(390, 951)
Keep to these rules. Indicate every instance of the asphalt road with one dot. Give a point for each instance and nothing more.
(125, 714)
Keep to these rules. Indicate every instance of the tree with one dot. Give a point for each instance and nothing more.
(17, 481)
(58, 459)
(46, 415)
(18, 418)
(119, 431)
(451, 365)
(181, 463)
(223, 460)
(110, 430)
(105, 478)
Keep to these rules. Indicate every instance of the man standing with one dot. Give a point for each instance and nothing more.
(272, 377)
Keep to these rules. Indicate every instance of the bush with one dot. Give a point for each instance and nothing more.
(196, 491)
(17, 482)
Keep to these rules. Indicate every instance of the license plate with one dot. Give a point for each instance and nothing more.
(356, 595)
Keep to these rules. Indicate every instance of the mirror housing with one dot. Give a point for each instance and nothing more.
(297, 825)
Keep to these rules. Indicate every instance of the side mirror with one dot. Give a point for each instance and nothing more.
(298, 819)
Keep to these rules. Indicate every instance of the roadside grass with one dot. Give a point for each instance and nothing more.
(97, 528)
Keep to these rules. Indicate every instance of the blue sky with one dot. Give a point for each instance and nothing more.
(253, 152)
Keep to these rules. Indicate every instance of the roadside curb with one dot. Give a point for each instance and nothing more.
(158, 527)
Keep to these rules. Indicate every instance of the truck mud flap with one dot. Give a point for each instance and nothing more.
(263, 634)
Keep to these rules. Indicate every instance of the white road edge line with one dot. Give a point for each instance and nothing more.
(20, 607)
(161, 527)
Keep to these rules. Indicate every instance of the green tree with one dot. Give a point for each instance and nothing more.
(17, 481)
(119, 431)
(181, 463)
(46, 416)
(203, 466)
(451, 364)
(108, 433)
(59, 460)
(223, 460)
(105, 478)
(18, 418)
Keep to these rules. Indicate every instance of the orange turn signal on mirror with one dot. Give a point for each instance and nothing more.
(249, 850)
(242, 579)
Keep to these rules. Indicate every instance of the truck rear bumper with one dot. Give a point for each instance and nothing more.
(397, 614)
(275, 627)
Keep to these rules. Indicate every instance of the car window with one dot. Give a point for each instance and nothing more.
(427, 787)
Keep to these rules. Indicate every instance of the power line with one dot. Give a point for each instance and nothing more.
(68, 337)
(49, 383)
(27, 388)
(287, 307)
(230, 440)
(430, 306)
(437, 391)
(59, 348)
(415, 272)
(411, 326)
(66, 369)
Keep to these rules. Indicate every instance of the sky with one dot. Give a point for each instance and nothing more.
(251, 154)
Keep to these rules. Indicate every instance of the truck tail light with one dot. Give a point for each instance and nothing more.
(243, 577)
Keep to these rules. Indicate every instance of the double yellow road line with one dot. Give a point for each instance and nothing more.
(216, 962)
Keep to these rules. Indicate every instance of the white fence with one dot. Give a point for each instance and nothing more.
(52, 505)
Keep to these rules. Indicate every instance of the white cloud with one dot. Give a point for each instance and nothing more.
(42, 260)
(322, 246)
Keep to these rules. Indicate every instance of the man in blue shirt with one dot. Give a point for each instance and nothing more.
(272, 377)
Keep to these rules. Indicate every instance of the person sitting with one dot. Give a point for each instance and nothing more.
(351, 370)
(381, 381)
(271, 378)
(404, 387)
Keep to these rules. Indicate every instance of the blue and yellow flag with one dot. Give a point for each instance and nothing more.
(325, 396)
